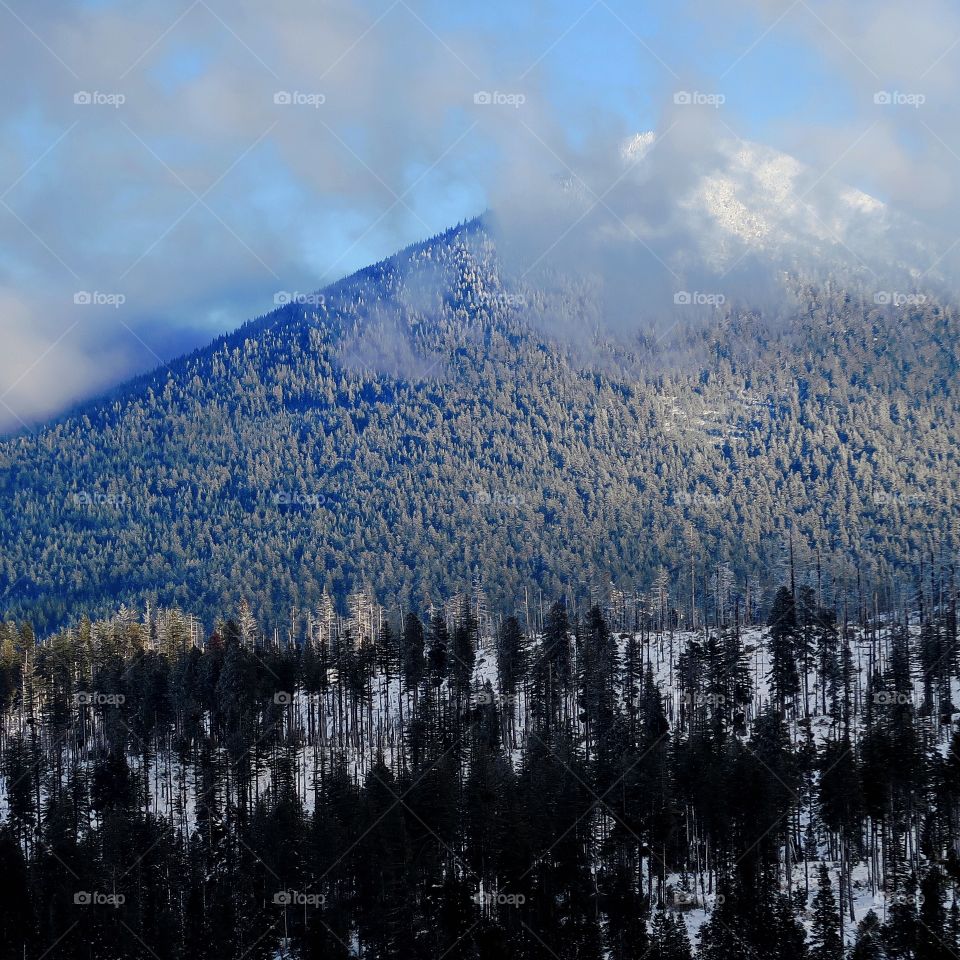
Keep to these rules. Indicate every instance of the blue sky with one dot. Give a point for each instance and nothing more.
(181, 187)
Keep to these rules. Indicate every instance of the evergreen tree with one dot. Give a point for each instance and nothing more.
(826, 942)
(782, 625)
(464, 649)
(668, 938)
(869, 942)
(413, 663)
(932, 927)
(901, 929)
(511, 656)
(598, 687)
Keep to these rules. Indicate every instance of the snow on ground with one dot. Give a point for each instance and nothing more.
(173, 786)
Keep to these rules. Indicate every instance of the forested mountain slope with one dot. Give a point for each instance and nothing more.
(417, 423)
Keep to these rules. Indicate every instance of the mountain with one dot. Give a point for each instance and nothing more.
(422, 423)
(748, 198)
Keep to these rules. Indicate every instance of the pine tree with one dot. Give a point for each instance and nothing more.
(16, 920)
(598, 682)
(869, 942)
(463, 649)
(438, 649)
(901, 929)
(511, 656)
(826, 942)
(782, 625)
(413, 663)
(247, 625)
(933, 929)
(553, 670)
(668, 938)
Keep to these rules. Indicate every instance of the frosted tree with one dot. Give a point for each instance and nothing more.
(247, 625)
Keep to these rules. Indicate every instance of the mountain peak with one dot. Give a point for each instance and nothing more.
(751, 197)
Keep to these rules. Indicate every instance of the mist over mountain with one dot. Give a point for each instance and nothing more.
(428, 420)
(695, 217)
(480, 481)
(757, 198)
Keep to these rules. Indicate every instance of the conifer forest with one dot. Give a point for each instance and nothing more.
(479, 481)
(577, 779)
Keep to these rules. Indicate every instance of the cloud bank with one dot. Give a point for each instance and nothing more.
(169, 168)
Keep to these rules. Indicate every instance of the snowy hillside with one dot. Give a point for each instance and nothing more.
(752, 198)
(657, 735)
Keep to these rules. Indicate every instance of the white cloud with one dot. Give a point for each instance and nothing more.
(105, 197)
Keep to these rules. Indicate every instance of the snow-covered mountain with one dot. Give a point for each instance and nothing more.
(745, 198)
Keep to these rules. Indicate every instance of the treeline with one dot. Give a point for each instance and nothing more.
(415, 425)
(424, 788)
